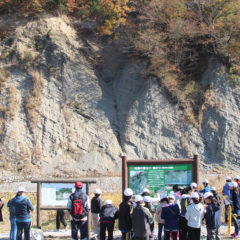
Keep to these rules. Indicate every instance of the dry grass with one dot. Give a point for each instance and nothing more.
(13, 102)
(4, 75)
(34, 101)
(48, 217)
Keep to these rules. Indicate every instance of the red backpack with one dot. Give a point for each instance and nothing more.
(78, 203)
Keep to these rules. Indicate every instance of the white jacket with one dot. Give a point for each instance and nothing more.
(194, 215)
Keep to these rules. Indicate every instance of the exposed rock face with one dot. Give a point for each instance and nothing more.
(70, 117)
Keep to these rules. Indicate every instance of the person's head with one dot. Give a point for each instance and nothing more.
(78, 185)
(147, 201)
(205, 182)
(188, 190)
(208, 197)
(193, 186)
(164, 198)
(145, 192)
(176, 188)
(195, 197)
(139, 200)
(108, 202)
(228, 179)
(128, 192)
(236, 178)
(97, 192)
(233, 186)
(21, 191)
(213, 190)
(171, 198)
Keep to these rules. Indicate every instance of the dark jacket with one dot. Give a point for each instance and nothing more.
(96, 205)
(235, 197)
(217, 196)
(108, 213)
(185, 201)
(22, 207)
(141, 222)
(1, 206)
(125, 218)
(213, 216)
(11, 208)
(171, 214)
(78, 194)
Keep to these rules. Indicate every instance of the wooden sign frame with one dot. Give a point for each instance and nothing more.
(126, 163)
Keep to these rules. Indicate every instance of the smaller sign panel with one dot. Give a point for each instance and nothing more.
(159, 178)
(57, 194)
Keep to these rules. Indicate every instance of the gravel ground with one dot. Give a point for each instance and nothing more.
(117, 235)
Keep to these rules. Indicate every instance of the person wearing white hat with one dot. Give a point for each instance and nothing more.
(170, 214)
(141, 219)
(163, 203)
(226, 196)
(22, 206)
(125, 211)
(194, 216)
(212, 216)
(108, 215)
(145, 192)
(206, 187)
(235, 197)
(96, 205)
(193, 186)
(152, 210)
(184, 201)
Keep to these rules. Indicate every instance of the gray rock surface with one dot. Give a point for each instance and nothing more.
(87, 117)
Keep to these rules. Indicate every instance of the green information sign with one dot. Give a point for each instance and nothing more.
(159, 179)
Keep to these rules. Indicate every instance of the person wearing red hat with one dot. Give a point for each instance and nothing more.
(78, 206)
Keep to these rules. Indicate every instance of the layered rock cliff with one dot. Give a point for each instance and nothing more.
(72, 104)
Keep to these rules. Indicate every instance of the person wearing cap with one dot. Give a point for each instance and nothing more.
(237, 180)
(185, 201)
(163, 203)
(152, 210)
(235, 202)
(212, 216)
(194, 216)
(78, 200)
(108, 215)
(125, 214)
(96, 205)
(145, 192)
(12, 218)
(22, 206)
(206, 187)
(226, 196)
(171, 214)
(141, 219)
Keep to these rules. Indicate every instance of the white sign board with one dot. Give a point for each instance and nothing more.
(57, 194)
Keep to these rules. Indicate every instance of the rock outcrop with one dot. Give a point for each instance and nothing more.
(72, 105)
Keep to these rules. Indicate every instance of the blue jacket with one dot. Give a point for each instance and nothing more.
(206, 189)
(22, 207)
(226, 190)
(213, 216)
(171, 214)
(11, 208)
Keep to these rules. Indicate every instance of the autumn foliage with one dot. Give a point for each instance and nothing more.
(180, 36)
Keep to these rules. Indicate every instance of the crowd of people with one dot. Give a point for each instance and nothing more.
(179, 215)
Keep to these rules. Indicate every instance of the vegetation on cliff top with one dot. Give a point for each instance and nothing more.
(178, 37)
